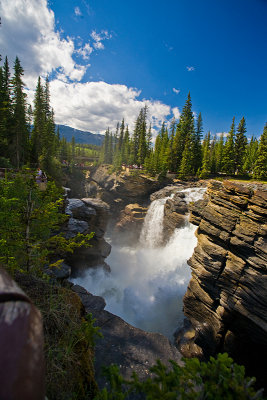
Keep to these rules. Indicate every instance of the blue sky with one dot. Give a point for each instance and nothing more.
(117, 55)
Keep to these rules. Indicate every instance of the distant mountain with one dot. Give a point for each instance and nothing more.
(80, 136)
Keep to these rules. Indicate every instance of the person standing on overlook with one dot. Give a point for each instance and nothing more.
(41, 179)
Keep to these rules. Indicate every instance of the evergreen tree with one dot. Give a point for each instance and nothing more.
(240, 145)
(156, 159)
(205, 169)
(103, 159)
(197, 148)
(5, 111)
(149, 139)
(251, 156)
(219, 153)
(228, 160)
(171, 154)
(260, 168)
(39, 121)
(142, 136)
(126, 147)
(186, 166)
(163, 154)
(184, 134)
(213, 161)
(20, 133)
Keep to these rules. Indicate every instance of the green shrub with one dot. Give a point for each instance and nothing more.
(217, 379)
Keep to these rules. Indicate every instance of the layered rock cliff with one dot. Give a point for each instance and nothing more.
(225, 302)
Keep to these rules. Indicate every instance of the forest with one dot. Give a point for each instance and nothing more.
(183, 150)
(28, 136)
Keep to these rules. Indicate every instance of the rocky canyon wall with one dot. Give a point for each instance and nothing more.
(226, 300)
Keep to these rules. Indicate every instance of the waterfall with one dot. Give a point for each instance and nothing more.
(147, 282)
(152, 231)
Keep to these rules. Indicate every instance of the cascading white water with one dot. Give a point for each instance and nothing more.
(152, 231)
(147, 282)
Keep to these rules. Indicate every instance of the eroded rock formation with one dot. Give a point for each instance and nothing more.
(86, 216)
(123, 189)
(127, 229)
(132, 349)
(226, 300)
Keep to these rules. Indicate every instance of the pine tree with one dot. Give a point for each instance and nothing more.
(251, 156)
(228, 161)
(197, 148)
(184, 134)
(260, 169)
(205, 169)
(5, 111)
(156, 158)
(142, 136)
(219, 153)
(39, 121)
(163, 154)
(240, 145)
(171, 155)
(186, 166)
(213, 161)
(126, 147)
(20, 133)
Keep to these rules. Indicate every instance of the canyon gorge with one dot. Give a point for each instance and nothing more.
(183, 258)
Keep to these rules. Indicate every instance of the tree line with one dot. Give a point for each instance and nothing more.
(28, 136)
(182, 149)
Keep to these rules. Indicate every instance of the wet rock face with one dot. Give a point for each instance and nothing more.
(226, 300)
(88, 215)
(175, 212)
(127, 229)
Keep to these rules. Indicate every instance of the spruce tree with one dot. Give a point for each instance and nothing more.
(260, 168)
(219, 153)
(20, 133)
(126, 147)
(39, 121)
(171, 154)
(5, 111)
(213, 163)
(186, 166)
(240, 145)
(251, 156)
(197, 148)
(163, 155)
(205, 168)
(184, 134)
(228, 160)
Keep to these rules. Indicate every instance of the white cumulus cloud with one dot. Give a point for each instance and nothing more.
(28, 30)
(95, 106)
